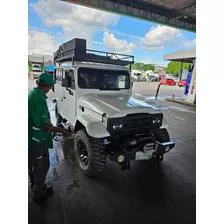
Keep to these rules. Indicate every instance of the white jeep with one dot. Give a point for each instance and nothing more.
(94, 99)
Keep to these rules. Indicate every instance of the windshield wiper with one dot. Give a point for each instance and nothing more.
(109, 89)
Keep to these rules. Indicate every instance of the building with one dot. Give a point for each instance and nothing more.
(40, 59)
(160, 69)
(37, 63)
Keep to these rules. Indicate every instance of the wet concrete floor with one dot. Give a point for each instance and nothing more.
(149, 192)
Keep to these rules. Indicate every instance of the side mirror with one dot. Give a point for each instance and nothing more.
(64, 83)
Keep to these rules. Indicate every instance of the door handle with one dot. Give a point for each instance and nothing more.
(70, 92)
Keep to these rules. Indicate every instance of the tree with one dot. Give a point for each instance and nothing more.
(142, 66)
(149, 67)
(174, 67)
(138, 66)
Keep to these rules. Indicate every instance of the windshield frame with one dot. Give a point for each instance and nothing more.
(120, 71)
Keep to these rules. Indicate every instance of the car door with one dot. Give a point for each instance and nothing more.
(69, 97)
(169, 81)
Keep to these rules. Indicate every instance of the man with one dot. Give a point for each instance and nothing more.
(69, 77)
(40, 139)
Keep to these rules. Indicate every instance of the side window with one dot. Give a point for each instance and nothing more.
(121, 81)
(69, 75)
(59, 75)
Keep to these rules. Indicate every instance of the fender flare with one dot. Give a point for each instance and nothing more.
(95, 129)
(165, 123)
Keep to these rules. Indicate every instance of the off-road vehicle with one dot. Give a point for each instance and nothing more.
(94, 99)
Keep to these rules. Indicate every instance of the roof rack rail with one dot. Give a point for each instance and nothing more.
(75, 50)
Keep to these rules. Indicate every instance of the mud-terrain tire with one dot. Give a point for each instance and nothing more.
(59, 118)
(162, 135)
(96, 157)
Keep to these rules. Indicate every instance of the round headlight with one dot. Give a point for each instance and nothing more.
(156, 120)
(117, 126)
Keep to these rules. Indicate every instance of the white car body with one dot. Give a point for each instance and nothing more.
(36, 68)
(88, 106)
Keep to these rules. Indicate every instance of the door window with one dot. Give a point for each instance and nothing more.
(69, 75)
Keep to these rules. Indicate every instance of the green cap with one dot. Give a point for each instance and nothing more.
(46, 79)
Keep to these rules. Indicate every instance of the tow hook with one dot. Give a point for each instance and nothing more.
(125, 165)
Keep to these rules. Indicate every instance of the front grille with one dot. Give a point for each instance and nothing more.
(141, 121)
(135, 123)
(132, 122)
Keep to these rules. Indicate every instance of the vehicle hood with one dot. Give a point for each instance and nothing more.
(115, 105)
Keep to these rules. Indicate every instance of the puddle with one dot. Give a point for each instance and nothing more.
(154, 98)
(163, 108)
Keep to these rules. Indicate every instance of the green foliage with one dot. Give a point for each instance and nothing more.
(149, 67)
(174, 67)
(142, 66)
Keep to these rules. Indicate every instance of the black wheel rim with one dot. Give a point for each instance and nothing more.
(82, 152)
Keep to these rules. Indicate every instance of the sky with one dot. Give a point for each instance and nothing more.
(53, 22)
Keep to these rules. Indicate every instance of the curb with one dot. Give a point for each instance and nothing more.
(180, 102)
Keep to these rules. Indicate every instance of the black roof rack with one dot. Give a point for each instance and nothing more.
(75, 50)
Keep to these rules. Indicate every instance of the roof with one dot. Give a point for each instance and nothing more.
(176, 13)
(38, 58)
(92, 65)
(75, 50)
(184, 56)
(35, 58)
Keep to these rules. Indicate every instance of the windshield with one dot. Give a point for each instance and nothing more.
(89, 78)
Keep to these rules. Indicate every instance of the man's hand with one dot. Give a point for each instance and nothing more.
(51, 128)
(66, 132)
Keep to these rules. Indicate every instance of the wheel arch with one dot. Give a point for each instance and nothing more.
(95, 129)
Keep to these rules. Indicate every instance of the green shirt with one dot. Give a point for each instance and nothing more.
(38, 114)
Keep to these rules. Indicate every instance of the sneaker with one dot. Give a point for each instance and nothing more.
(39, 196)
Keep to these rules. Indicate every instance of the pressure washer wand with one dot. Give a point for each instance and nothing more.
(56, 135)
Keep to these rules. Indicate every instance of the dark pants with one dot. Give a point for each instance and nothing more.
(38, 165)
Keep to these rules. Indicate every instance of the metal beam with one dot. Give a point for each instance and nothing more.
(141, 11)
(185, 11)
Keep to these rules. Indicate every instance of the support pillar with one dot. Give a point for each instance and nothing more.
(181, 71)
(191, 97)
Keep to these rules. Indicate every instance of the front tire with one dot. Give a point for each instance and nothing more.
(90, 154)
(162, 136)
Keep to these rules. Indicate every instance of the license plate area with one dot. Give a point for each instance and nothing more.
(147, 153)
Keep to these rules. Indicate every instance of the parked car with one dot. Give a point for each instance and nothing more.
(169, 82)
(161, 77)
(182, 83)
